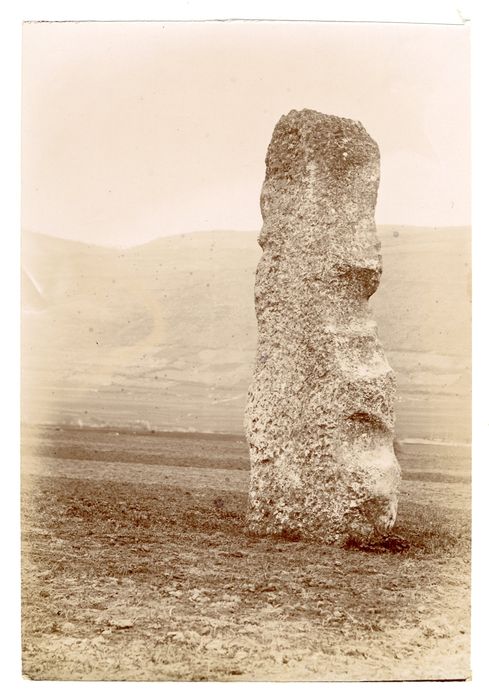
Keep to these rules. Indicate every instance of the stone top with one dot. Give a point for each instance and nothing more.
(337, 143)
(322, 172)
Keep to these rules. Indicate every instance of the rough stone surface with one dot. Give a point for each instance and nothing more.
(319, 418)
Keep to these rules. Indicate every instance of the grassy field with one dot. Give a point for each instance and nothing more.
(137, 566)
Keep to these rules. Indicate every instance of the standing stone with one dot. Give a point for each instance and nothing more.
(319, 418)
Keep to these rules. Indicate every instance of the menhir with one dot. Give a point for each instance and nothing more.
(319, 418)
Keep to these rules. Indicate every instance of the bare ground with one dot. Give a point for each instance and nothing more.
(137, 566)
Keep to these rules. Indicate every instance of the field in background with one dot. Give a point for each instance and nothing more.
(163, 335)
(137, 566)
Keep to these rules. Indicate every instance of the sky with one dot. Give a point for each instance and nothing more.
(132, 131)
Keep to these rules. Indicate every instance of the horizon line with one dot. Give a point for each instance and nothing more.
(211, 230)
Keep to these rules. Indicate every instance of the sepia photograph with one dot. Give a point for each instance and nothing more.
(246, 351)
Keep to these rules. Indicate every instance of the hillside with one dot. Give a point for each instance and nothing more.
(163, 335)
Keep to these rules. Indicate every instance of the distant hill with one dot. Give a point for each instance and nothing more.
(163, 335)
